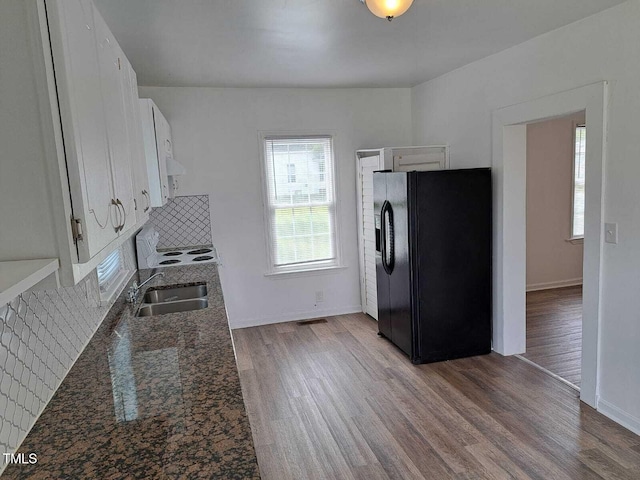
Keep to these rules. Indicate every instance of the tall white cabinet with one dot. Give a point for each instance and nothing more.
(399, 159)
(71, 146)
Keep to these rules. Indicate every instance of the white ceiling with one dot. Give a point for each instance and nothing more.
(322, 43)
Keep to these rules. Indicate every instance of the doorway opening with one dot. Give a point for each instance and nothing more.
(509, 154)
(555, 211)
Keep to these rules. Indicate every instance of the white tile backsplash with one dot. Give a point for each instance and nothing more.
(41, 335)
(183, 222)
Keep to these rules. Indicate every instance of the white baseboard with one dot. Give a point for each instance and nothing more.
(625, 419)
(293, 316)
(572, 282)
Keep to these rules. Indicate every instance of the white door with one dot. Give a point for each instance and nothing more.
(367, 166)
(134, 130)
(164, 147)
(78, 80)
(110, 58)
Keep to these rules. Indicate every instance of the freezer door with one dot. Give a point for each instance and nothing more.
(382, 278)
(396, 246)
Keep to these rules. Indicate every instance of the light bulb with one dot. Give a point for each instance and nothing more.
(388, 8)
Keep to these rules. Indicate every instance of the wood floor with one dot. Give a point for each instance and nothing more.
(335, 401)
(554, 331)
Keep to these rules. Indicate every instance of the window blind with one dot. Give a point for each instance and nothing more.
(301, 201)
(109, 270)
(580, 156)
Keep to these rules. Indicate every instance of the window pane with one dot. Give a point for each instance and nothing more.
(297, 169)
(303, 234)
(579, 181)
(301, 200)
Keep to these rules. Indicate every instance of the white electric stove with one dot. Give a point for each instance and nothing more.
(150, 257)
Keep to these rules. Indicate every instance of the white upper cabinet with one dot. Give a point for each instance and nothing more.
(73, 177)
(157, 146)
(115, 95)
(80, 86)
(134, 127)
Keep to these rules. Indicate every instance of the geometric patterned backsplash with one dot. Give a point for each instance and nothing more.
(42, 333)
(183, 222)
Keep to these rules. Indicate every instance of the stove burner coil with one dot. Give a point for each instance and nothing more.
(170, 262)
(200, 251)
(202, 259)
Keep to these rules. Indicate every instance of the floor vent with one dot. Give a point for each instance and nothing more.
(311, 322)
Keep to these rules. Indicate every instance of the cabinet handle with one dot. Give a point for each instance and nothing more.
(148, 197)
(124, 214)
(116, 227)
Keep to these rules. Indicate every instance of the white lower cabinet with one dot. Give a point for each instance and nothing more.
(73, 170)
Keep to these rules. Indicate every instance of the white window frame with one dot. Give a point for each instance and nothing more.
(576, 239)
(309, 267)
(109, 291)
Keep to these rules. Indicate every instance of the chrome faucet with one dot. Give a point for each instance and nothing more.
(134, 289)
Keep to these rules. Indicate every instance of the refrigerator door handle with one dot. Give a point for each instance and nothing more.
(388, 238)
(383, 235)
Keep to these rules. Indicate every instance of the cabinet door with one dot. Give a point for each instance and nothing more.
(151, 152)
(78, 82)
(420, 159)
(134, 129)
(110, 58)
(164, 147)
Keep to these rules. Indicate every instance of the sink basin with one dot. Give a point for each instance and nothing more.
(172, 307)
(175, 294)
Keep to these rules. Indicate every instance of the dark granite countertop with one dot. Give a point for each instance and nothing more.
(155, 397)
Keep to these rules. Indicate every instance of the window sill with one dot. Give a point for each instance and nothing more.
(575, 240)
(305, 272)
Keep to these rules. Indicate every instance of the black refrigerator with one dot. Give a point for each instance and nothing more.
(433, 262)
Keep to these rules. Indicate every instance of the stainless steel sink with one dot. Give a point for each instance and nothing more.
(172, 307)
(175, 294)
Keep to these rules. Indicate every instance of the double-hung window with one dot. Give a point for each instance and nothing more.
(301, 202)
(578, 202)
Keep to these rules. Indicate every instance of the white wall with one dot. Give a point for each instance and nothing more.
(456, 109)
(551, 259)
(215, 133)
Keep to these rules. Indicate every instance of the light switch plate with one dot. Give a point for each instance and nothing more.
(611, 233)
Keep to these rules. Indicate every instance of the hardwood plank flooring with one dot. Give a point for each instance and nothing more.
(334, 401)
(554, 331)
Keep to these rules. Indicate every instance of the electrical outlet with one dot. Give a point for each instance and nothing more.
(611, 233)
(319, 296)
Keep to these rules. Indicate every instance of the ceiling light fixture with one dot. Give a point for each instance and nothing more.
(387, 8)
